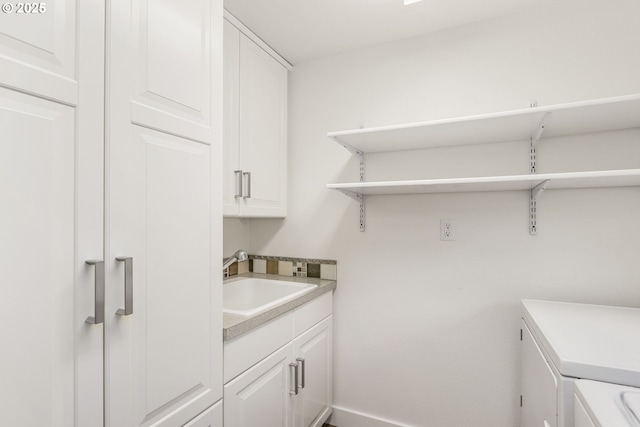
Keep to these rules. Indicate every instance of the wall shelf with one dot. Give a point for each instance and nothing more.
(530, 124)
(622, 112)
(592, 179)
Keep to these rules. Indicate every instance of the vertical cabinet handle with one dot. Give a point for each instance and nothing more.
(128, 285)
(98, 316)
(301, 360)
(294, 370)
(248, 174)
(238, 174)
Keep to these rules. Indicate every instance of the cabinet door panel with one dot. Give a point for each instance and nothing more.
(160, 216)
(37, 50)
(231, 127)
(172, 91)
(263, 135)
(316, 398)
(539, 385)
(42, 331)
(177, 246)
(260, 396)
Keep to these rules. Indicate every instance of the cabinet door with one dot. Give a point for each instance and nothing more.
(539, 385)
(260, 396)
(314, 348)
(51, 217)
(163, 212)
(231, 126)
(263, 132)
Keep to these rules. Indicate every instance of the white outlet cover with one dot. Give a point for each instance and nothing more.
(447, 230)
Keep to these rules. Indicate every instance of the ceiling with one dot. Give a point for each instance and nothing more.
(306, 29)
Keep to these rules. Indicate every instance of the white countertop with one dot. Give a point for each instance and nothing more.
(588, 341)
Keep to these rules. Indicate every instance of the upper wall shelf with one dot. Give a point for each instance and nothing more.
(622, 112)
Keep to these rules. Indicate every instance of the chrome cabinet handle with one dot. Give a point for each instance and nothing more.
(248, 174)
(128, 286)
(238, 174)
(294, 369)
(301, 360)
(98, 316)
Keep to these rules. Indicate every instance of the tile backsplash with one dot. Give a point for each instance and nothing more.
(285, 266)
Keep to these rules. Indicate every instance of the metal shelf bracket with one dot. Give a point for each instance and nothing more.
(533, 200)
(360, 198)
(351, 149)
(535, 138)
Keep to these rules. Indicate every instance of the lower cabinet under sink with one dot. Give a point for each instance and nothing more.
(280, 374)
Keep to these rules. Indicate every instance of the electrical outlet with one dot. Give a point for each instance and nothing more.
(447, 229)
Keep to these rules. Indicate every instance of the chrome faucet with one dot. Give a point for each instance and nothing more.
(239, 256)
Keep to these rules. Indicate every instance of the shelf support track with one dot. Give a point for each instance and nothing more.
(361, 197)
(533, 200)
(535, 138)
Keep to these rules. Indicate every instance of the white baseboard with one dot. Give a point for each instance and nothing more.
(342, 417)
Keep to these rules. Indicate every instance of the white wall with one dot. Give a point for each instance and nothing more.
(427, 332)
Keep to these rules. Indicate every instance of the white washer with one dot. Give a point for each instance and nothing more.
(563, 342)
(606, 405)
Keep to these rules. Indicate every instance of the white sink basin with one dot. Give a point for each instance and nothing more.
(249, 296)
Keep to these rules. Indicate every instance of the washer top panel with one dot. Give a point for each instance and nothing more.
(609, 404)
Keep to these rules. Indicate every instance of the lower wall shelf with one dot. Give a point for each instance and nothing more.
(592, 179)
(535, 183)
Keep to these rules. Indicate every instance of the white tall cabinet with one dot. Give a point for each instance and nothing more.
(51, 220)
(163, 355)
(111, 155)
(255, 131)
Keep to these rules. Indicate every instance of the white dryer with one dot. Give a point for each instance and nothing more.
(563, 342)
(606, 405)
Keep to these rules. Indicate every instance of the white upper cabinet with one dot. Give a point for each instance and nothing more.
(255, 128)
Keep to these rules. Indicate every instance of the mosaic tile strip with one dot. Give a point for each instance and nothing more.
(285, 266)
(295, 267)
(284, 258)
